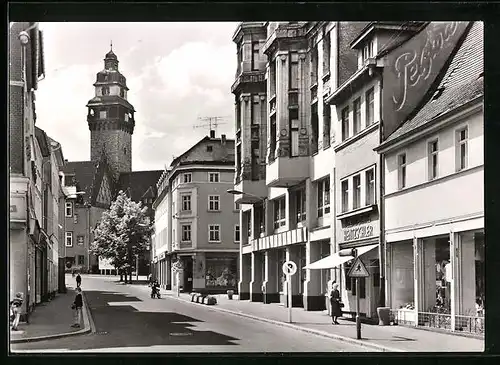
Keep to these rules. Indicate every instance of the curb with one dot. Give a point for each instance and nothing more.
(88, 328)
(299, 328)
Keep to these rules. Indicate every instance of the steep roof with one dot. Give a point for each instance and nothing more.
(84, 172)
(138, 183)
(220, 154)
(462, 83)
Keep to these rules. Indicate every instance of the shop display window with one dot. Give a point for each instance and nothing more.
(221, 272)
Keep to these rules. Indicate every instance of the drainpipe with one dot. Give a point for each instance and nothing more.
(381, 246)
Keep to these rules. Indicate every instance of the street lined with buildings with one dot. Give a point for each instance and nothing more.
(352, 140)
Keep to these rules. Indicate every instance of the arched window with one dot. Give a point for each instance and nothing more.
(91, 111)
(105, 90)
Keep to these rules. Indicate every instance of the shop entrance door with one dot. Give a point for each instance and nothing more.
(188, 275)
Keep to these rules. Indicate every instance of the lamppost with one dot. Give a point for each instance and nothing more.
(254, 197)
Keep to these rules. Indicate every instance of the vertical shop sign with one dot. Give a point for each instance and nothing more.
(410, 70)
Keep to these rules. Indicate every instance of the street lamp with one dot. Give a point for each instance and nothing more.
(237, 192)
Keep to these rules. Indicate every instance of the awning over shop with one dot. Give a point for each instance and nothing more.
(335, 260)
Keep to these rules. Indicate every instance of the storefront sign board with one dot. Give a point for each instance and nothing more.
(358, 232)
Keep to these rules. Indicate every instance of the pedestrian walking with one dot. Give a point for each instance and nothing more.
(78, 280)
(15, 309)
(335, 303)
(77, 307)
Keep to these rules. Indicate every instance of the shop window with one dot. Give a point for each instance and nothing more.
(462, 150)
(433, 159)
(186, 202)
(345, 123)
(402, 171)
(279, 212)
(356, 116)
(348, 287)
(213, 203)
(221, 272)
(479, 271)
(214, 233)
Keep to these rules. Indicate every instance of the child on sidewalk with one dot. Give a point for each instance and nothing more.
(15, 307)
(77, 307)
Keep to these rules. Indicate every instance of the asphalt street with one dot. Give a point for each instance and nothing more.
(127, 320)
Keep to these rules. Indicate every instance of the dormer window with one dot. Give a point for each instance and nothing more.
(368, 50)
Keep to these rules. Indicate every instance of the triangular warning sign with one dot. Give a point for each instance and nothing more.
(358, 269)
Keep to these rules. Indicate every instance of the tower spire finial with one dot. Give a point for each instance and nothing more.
(111, 45)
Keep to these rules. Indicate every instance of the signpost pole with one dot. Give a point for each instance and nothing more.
(358, 319)
(289, 278)
(178, 279)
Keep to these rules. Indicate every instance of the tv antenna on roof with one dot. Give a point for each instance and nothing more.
(213, 122)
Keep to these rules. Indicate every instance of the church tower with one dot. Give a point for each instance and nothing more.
(111, 118)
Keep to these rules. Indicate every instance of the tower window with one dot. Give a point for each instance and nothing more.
(122, 92)
(103, 114)
(105, 90)
(124, 150)
(91, 112)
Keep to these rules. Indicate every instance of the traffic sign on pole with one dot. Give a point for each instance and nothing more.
(358, 270)
(289, 269)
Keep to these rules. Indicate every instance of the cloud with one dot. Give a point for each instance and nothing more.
(173, 80)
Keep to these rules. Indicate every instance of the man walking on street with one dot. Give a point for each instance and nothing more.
(15, 307)
(77, 307)
(78, 280)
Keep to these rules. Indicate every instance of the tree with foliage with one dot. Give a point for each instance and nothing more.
(122, 233)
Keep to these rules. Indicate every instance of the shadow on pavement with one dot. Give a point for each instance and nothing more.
(124, 325)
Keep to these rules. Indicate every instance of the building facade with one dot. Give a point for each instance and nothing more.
(434, 192)
(197, 220)
(28, 244)
(357, 117)
(287, 213)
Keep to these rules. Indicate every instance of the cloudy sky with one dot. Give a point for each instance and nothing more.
(176, 72)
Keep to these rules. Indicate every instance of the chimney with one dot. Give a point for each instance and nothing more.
(212, 134)
(223, 139)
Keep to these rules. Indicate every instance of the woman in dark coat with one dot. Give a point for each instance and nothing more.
(335, 303)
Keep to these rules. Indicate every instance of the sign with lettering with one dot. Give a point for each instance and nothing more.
(18, 208)
(410, 70)
(358, 232)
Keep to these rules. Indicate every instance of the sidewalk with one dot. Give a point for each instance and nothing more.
(374, 337)
(52, 320)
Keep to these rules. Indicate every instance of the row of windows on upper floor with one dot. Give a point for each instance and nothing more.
(214, 233)
(212, 206)
(187, 177)
(461, 157)
(112, 112)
